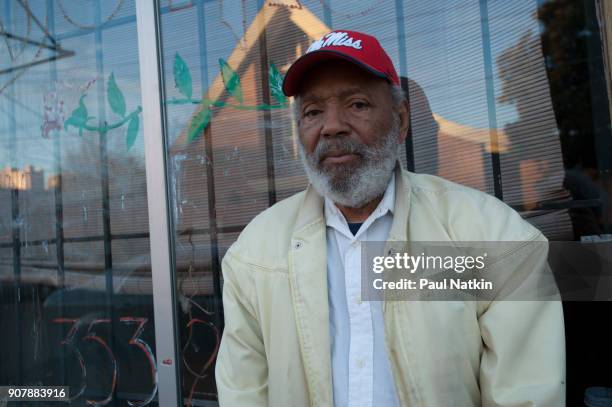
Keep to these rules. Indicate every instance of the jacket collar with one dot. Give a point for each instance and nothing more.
(308, 276)
(310, 211)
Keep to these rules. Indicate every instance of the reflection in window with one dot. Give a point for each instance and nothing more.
(75, 274)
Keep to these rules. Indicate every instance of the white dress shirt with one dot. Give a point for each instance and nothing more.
(361, 371)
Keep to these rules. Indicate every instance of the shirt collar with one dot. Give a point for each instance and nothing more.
(335, 219)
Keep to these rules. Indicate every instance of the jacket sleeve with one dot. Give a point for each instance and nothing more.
(241, 371)
(523, 359)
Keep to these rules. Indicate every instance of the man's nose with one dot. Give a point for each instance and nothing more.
(334, 122)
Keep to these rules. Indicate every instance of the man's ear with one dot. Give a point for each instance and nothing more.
(404, 114)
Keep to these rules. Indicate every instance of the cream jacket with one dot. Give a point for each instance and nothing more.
(275, 349)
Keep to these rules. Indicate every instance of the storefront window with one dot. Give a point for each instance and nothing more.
(75, 276)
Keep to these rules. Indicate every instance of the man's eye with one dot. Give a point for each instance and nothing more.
(311, 113)
(360, 105)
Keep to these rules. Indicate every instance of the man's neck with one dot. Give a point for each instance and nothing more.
(358, 215)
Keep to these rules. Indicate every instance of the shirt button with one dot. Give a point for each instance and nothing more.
(360, 363)
(357, 300)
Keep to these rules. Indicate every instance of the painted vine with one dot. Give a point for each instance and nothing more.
(81, 120)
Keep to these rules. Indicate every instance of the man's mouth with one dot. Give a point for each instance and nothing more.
(339, 158)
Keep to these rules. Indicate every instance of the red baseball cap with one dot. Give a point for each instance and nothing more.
(358, 48)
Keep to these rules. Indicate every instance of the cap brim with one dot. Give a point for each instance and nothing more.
(292, 81)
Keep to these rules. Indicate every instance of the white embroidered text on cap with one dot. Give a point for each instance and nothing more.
(337, 39)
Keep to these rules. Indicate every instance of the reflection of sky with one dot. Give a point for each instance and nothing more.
(443, 54)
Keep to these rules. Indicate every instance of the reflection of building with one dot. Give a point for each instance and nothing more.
(252, 148)
(257, 149)
(33, 214)
(53, 181)
(28, 178)
(462, 152)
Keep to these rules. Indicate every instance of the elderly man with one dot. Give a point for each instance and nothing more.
(297, 331)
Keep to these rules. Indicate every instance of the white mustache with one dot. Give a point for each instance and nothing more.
(335, 147)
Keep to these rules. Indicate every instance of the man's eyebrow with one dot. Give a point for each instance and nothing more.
(343, 94)
(351, 91)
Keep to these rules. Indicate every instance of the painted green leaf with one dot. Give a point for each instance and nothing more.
(132, 131)
(78, 118)
(199, 123)
(80, 113)
(182, 77)
(276, 84)
(231, 80)
(115, 96)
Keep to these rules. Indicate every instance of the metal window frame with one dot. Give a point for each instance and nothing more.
(164, 304)
(483, 6)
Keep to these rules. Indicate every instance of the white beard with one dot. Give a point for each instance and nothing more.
(353, 185)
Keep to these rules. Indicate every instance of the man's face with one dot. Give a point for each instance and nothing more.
(350, 132)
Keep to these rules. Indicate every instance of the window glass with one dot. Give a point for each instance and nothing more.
(76, 306)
